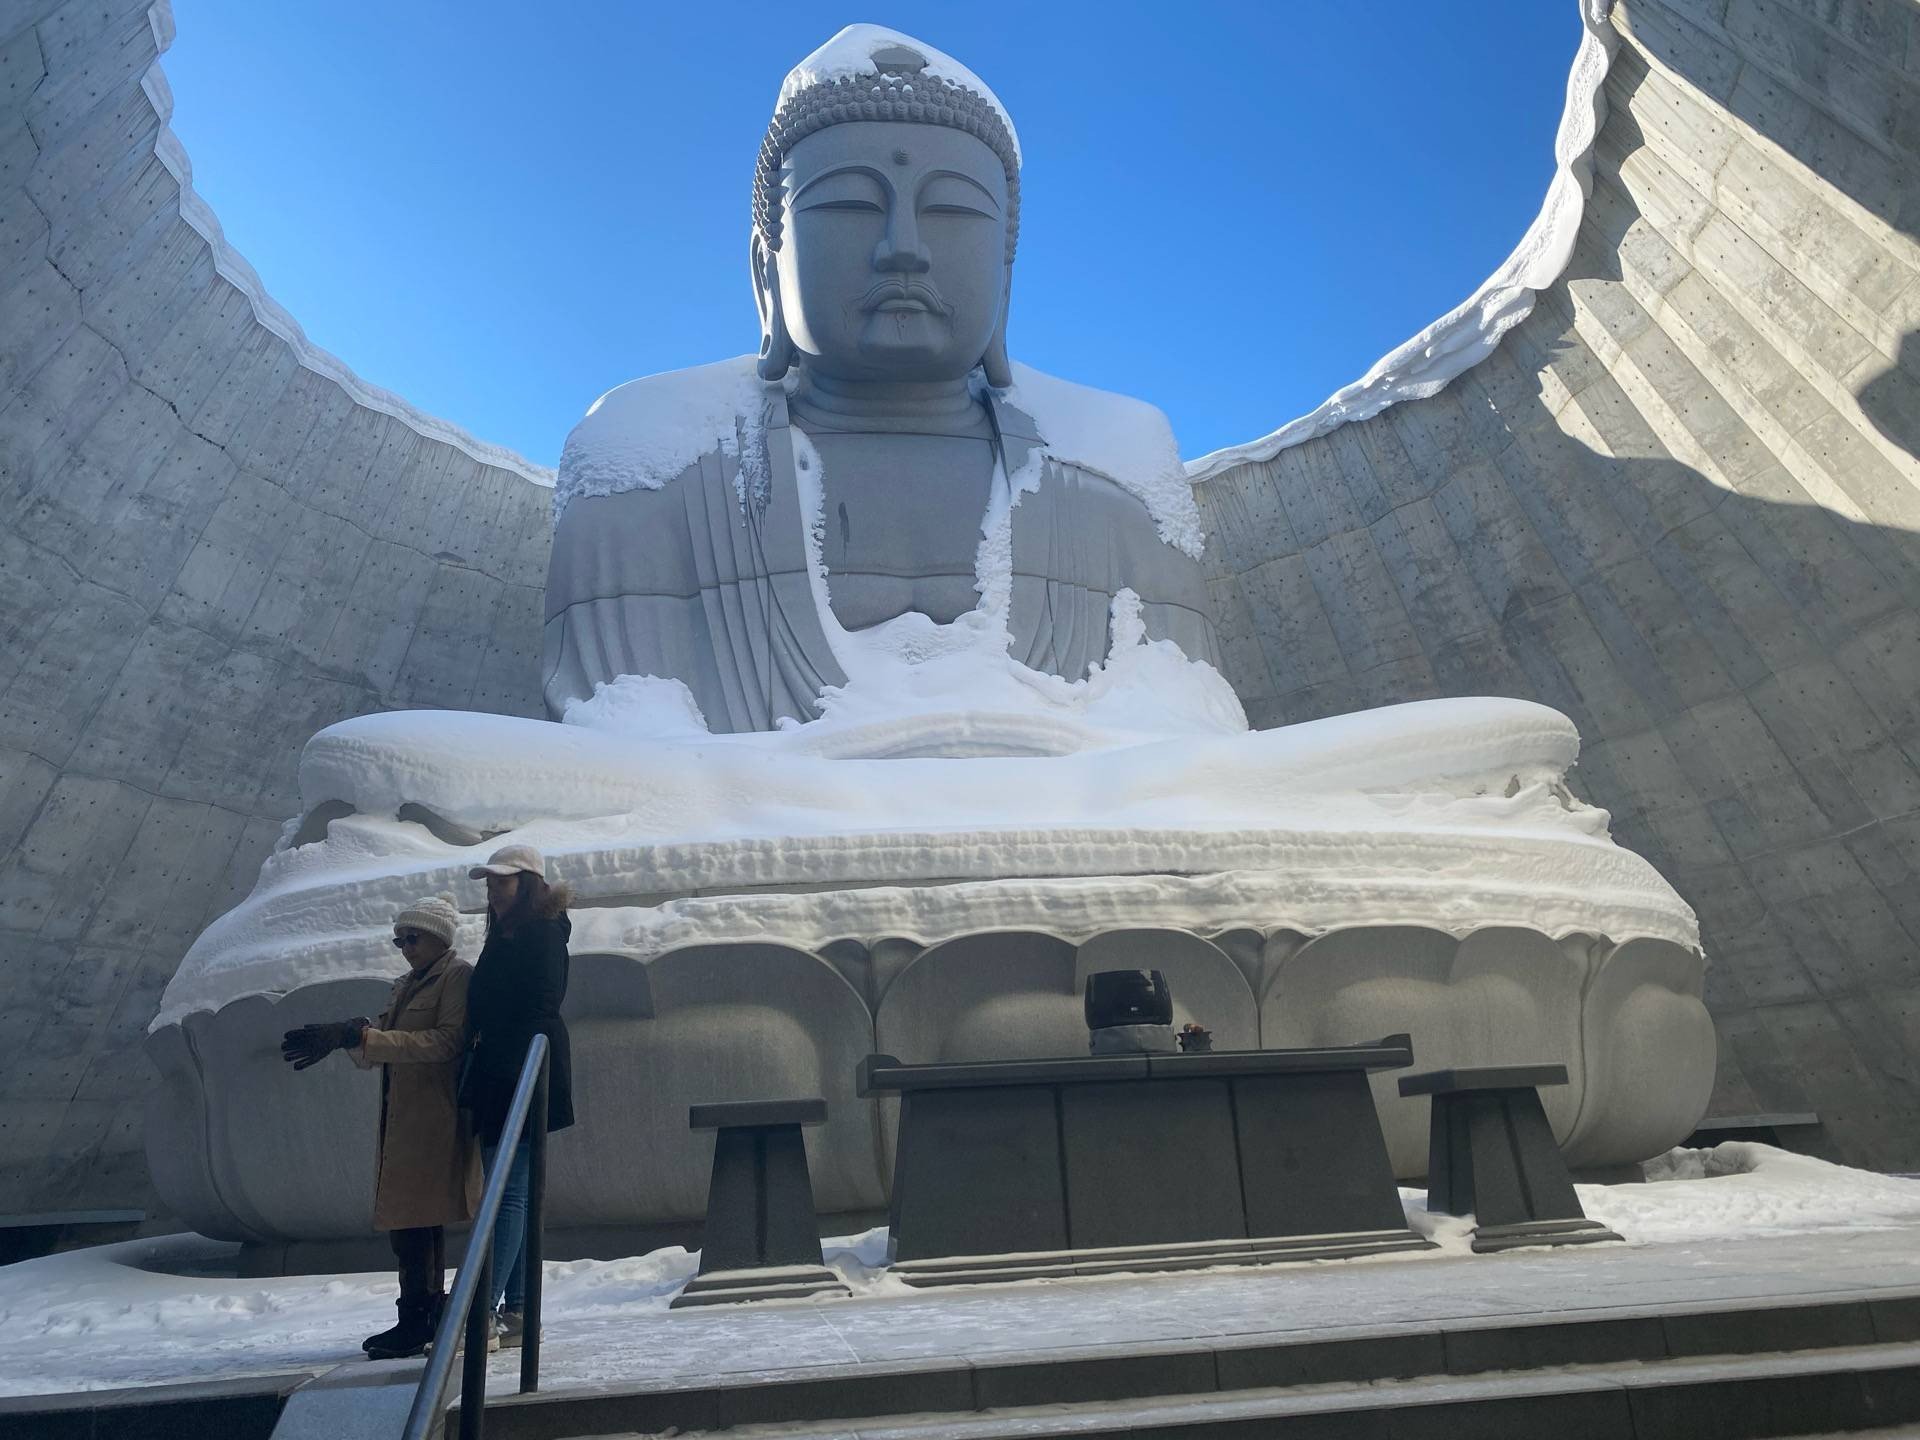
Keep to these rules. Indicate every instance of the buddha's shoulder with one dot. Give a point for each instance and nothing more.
(646, 433)
(1118, 437)
(1080, 422)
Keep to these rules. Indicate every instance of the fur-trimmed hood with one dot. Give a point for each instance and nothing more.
(555, 902)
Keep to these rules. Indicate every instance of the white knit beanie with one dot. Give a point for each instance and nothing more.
(435, 915)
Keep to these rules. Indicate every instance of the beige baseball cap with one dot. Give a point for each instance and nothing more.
(510, 860)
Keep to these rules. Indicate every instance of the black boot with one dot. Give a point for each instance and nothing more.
(385, 1337)
(410, 1336)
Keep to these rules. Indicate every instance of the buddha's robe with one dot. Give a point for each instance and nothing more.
(705, 578)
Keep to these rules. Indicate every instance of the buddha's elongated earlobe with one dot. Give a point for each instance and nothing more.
(996, 365)
(776, 346)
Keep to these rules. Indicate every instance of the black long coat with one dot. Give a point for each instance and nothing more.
(518, 984)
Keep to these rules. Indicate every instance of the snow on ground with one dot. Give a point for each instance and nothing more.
(1741, 1188)
(119, 1315)
(1735, 1190)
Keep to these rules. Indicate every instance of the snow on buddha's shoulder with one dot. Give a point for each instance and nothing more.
(640, 435)
(645, 433)
(1127, 440)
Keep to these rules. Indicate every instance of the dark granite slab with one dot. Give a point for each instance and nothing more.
(757, 1112)
(881, 1074)
(1015, 1169)
(1491, 1077)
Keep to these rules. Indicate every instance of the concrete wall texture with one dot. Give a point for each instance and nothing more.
(1681, 503)
(208, 550)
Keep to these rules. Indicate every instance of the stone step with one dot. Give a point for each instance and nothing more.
(1837, 1391)
(1669, 1370)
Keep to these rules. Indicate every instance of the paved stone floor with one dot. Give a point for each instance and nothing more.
(84, 1321)
(1324, 1299)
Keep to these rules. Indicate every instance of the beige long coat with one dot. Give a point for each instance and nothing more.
(429, 1171)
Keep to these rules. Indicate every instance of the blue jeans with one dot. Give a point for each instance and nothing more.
(510, 1230)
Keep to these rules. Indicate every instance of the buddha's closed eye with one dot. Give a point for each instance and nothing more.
(948, 193)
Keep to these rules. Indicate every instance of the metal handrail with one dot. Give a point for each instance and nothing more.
(472, 1297)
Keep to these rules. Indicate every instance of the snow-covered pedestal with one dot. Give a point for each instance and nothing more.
(757, 913)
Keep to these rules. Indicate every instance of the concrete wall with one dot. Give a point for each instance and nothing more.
(213, 541)
(1680, 503)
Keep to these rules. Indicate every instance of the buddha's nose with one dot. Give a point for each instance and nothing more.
(900, 250)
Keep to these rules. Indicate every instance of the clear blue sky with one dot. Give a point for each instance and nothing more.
(501, 210)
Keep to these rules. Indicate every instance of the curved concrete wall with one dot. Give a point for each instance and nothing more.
(213, 541)
(1680, 503)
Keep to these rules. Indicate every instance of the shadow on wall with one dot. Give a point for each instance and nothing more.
(1836, 914)
(1892, 398)
(1744, 686)
(1832, 94)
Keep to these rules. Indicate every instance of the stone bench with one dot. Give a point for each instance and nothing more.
(761, 1240)
(1491, 1154)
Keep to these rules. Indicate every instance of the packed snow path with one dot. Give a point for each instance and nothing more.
(1735, 1224)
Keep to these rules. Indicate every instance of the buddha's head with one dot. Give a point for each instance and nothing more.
(886, 205)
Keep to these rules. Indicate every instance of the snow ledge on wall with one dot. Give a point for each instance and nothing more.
(234, 269)
(1467, 334)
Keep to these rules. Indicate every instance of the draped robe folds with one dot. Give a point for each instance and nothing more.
(705, 579)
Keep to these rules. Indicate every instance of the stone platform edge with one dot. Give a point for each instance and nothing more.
(1423, 1349)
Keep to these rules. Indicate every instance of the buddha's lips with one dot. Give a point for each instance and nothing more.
(896, 295)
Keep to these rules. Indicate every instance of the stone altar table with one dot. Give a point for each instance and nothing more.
(1010, 1170)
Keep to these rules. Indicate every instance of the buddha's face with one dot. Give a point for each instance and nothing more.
(893, 258)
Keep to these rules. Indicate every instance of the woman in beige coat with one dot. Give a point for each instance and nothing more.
(429, 1166)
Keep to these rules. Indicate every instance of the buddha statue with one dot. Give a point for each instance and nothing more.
(887, 713)
(886, 211)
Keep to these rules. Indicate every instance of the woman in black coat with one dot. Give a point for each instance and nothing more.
(518, 984)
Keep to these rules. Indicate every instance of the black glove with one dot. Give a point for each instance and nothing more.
(311, 1044)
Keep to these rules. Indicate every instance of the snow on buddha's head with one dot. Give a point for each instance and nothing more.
(886, 208)
(869, 72)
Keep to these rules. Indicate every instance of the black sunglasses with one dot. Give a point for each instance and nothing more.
(406, 938)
